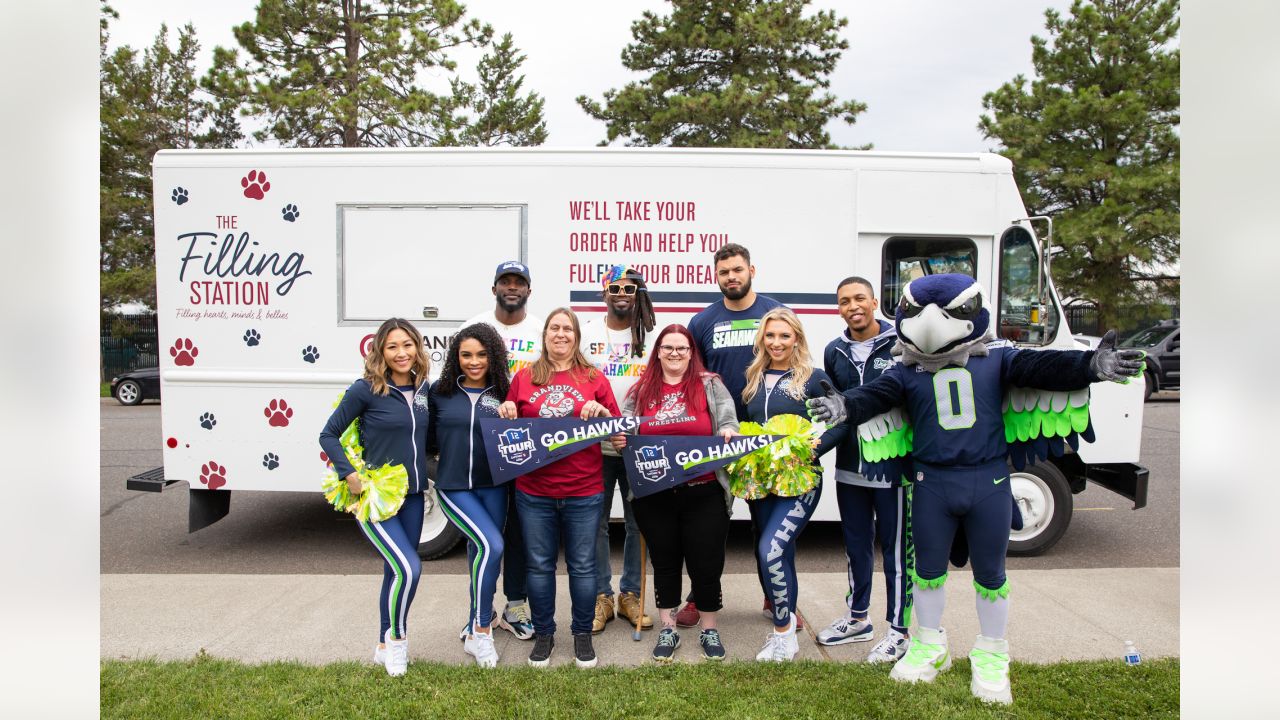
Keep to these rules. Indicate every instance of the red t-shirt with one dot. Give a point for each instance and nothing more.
(678, 415)
(579, 474)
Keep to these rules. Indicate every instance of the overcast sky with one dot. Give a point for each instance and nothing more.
(921, 66)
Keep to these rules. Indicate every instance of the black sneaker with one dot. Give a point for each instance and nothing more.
(583, 654)
(712, 648)
(668, 641)
(542, 647)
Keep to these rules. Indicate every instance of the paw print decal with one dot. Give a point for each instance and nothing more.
(251, 337)
(213, 475)
(183, 352)
(290, 212)
(179, 195)
(310, 353)
(207, 421)
(271, 461)
(255, 185)
(278, 413)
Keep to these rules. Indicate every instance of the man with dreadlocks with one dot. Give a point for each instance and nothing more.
(616, 345)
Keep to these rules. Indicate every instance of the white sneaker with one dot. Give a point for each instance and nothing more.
(480, 645)
(891, 649)
(780, 646)
(927, 656)
(990, 662)
(845, 630)
(396, 656)
(379, 655)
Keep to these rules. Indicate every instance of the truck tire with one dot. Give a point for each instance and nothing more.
(438, 534)
(1044, 497)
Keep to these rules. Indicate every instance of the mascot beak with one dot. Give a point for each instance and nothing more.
(933, 330)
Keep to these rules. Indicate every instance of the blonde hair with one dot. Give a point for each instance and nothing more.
(801, 362)
(541, 370)
(375, 365)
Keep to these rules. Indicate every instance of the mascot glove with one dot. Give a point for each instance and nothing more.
(1110, 363)
(829, 408)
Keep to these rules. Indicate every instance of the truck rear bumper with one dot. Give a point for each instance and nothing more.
(205, 507)
(1125, 479)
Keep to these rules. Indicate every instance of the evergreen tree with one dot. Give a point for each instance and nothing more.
(345, 73)
(732, 73)
(1094, 144)
(494, 111)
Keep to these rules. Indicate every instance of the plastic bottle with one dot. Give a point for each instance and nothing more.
(1131, 654)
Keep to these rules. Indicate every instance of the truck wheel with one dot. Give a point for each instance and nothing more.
(438, 534)
(129, 392)
(1044, 497)
(1150, 379)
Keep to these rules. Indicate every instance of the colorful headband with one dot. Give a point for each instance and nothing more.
(621, 272)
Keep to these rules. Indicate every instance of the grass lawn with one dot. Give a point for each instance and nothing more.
(106, 390)
(208, 688)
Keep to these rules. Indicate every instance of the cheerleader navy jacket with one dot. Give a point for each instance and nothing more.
(846, 374)
(393, 431)
(767, 403)
(454, 433)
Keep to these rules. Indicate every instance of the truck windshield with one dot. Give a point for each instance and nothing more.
(906, 259)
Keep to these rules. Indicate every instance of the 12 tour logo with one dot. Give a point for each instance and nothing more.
(515, 445)
(652, 463)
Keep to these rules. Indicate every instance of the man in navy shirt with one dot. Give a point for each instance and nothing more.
(725, 334)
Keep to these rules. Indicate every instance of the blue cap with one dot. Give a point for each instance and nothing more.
(512, 267)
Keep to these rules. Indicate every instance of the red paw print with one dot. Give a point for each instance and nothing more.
(255, 184)
(184, 352)
(278, 413)
(213, 475)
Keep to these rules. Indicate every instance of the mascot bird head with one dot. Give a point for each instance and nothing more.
(942, 315)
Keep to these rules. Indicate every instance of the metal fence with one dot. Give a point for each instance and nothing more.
(1083, 320)
(128, 342)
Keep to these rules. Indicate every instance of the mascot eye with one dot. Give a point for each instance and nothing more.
(968, 310)
(908, 309)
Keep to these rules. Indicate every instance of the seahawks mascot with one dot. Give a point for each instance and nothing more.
(973, 404)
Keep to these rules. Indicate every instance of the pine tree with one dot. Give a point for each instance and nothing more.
(345, 73)
(494, 111)
(1094, 144)
(732, 73)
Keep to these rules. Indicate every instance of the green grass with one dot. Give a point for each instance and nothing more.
(205, 688)
(106, 390)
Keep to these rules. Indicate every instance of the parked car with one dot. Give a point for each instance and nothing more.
(1164, 363)
(133, 387)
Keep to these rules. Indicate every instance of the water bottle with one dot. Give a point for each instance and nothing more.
(1131, 655)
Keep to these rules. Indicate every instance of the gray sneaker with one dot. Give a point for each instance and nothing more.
(583, 653)
(542, 647)
(845, 630)
(712, 648)
(668, 641)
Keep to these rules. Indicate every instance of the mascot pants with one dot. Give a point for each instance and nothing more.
(977, 497)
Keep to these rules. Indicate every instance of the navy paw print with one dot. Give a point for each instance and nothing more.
(179, 195)
(310, 353)
(207, 421)
(251, 337)
(271, 461)
(290, 212)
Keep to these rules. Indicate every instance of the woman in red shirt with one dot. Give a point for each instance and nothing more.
(566, 497)
(685, 525)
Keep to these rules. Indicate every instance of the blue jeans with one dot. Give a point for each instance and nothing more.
(615, 476)
(544, 521)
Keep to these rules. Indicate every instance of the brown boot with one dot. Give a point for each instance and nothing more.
(604, 612)
(629, 608)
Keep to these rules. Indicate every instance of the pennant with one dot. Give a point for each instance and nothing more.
(518, 447)
(657, 462)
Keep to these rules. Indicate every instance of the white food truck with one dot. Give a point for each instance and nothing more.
(274, 267)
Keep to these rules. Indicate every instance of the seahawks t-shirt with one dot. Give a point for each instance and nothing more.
(725, 340)
(610, 351)
(524, 339)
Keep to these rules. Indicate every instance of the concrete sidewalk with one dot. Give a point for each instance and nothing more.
(1054, 615)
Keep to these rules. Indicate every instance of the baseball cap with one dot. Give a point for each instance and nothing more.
(511, 267)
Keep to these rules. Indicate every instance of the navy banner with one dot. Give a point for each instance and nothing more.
(658, 462)
(517, 447)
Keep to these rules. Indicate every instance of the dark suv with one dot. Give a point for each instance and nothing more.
(1164, 371)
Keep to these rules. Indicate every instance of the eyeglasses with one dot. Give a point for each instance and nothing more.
(616, 289)
(672, 350)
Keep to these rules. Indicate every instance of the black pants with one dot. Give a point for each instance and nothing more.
(685, 526)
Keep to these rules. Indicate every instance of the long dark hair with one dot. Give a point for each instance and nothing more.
(642, 316)
(493, 346)
(648, 389)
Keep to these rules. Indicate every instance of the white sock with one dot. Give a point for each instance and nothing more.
(928, 605)
(993, 616)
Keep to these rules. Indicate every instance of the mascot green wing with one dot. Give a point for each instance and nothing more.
(884, 442)
(1039, 424)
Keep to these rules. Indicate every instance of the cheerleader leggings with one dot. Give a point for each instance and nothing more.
(396, 540)
(781, 520)
(480, 514)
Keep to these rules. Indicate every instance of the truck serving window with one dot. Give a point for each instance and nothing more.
(1019, 318)
(905, 259)
(426, 263)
